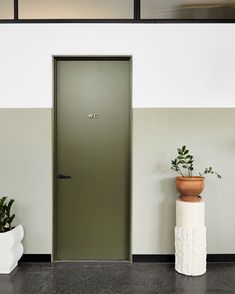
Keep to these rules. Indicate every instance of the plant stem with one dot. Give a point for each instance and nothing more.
(187, 167)
(178, 171)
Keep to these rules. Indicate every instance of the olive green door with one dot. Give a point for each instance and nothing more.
(92, 159)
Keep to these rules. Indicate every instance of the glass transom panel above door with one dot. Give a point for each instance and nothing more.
(6, 9)
(76, 9)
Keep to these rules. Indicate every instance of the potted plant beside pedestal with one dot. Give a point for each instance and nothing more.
(11, 248)
(189, 186)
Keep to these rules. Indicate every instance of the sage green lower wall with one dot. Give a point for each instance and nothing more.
(26, 174)
(210, 135)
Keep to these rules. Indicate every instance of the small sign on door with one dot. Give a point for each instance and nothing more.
(95, 115)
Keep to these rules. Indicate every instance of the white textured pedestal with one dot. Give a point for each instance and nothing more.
(190, 238)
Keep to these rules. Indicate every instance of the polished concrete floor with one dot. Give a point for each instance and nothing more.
(115, 278)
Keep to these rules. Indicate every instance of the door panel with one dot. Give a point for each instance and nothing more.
(93, 205)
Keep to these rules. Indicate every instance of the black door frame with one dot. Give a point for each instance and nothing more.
(54, 145)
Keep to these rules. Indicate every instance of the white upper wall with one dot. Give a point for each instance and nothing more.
(174, 65)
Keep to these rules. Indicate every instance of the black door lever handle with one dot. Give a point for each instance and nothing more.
(63, 177)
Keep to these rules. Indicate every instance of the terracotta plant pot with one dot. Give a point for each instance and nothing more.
(190, 188)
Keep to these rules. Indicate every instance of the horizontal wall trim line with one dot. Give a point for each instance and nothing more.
(160, 21)
(133, 107)
(171, 258)
(35, 258)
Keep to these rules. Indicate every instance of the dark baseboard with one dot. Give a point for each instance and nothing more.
(153, 258)
(171, 258)
(137, 258)
(220, 257)
(35, 258)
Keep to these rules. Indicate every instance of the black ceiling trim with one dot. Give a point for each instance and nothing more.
(136, 20)
(16, 9)
(137, 8)
(141, 21)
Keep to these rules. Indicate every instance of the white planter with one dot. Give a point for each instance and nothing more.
(11, 249)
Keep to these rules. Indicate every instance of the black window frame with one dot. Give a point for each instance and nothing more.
(137, 18)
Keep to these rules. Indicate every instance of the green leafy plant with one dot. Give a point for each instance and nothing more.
(183, 164)
(6, 218)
